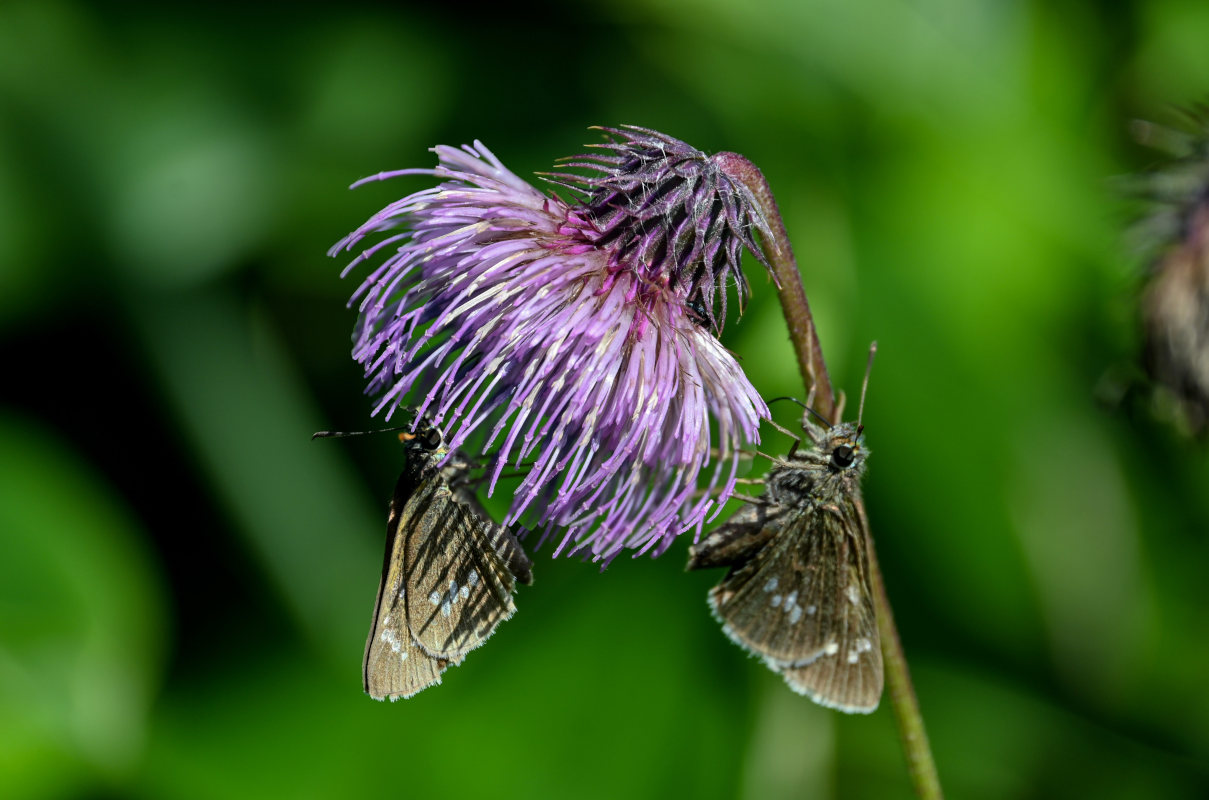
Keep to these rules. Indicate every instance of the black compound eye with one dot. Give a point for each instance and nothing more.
(432, 438)
(842, 456)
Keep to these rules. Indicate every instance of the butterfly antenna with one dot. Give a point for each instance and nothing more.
(797, 440)
(794, 400)
(817, 415)
(345, 434)
(865, 385)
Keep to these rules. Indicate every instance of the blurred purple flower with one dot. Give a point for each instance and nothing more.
(499, 305)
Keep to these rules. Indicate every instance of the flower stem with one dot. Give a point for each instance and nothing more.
(920, 764)
(789, 283)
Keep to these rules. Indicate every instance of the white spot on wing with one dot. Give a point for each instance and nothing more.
(446, 609)
(854, 595)
(775, 601)
(435, 598)
(852, 656)
(771, 586)
(795, 614)
(465, 592)
(791, 600)
(473, 578)
(392, 639)
(832, 648)
(810, 609)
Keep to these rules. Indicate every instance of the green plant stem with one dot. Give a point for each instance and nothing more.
(920, 764)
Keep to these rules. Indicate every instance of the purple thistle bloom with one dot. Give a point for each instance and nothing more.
(497, 307)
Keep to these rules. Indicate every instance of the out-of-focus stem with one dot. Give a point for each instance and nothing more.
(920, 764)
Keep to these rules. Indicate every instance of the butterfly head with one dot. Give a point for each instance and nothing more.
(844, 447)
(832, 467)
(425, 448)
(426, 438)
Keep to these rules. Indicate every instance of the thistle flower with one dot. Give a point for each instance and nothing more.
(500, 308)
(1175, 302)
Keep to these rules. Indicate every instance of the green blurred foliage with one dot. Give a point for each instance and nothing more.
(185, 579)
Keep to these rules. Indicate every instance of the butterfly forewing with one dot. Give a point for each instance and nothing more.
(447, 577)
(769, 604)
(785, 604)
(395, 666)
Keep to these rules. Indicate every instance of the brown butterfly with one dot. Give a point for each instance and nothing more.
(447, 577)
(798, 591)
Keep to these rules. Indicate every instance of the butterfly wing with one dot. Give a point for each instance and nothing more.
(736, 542)
(1176, 314)
(846, 673)
(798, 596)
(395, 665)
(774, 602)
(503, 541)
(459, 585)
(447, 582)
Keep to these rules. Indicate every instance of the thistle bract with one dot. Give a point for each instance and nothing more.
(500, 309)
(661, 206)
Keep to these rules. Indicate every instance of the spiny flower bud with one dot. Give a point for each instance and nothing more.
(669, 212)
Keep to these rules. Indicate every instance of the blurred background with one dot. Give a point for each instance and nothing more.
(186, 579)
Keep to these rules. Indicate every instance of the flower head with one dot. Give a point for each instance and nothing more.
(661, 206)
(497, 307)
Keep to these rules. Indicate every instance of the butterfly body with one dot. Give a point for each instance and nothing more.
(797, 593)
(447, 576)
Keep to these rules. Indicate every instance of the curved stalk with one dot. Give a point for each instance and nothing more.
(920, 764)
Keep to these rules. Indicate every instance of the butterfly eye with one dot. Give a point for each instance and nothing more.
(432, 439)
(842, 456)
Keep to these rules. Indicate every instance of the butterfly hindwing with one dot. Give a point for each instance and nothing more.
(459, 587)
(846, 672)
(502, 540)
